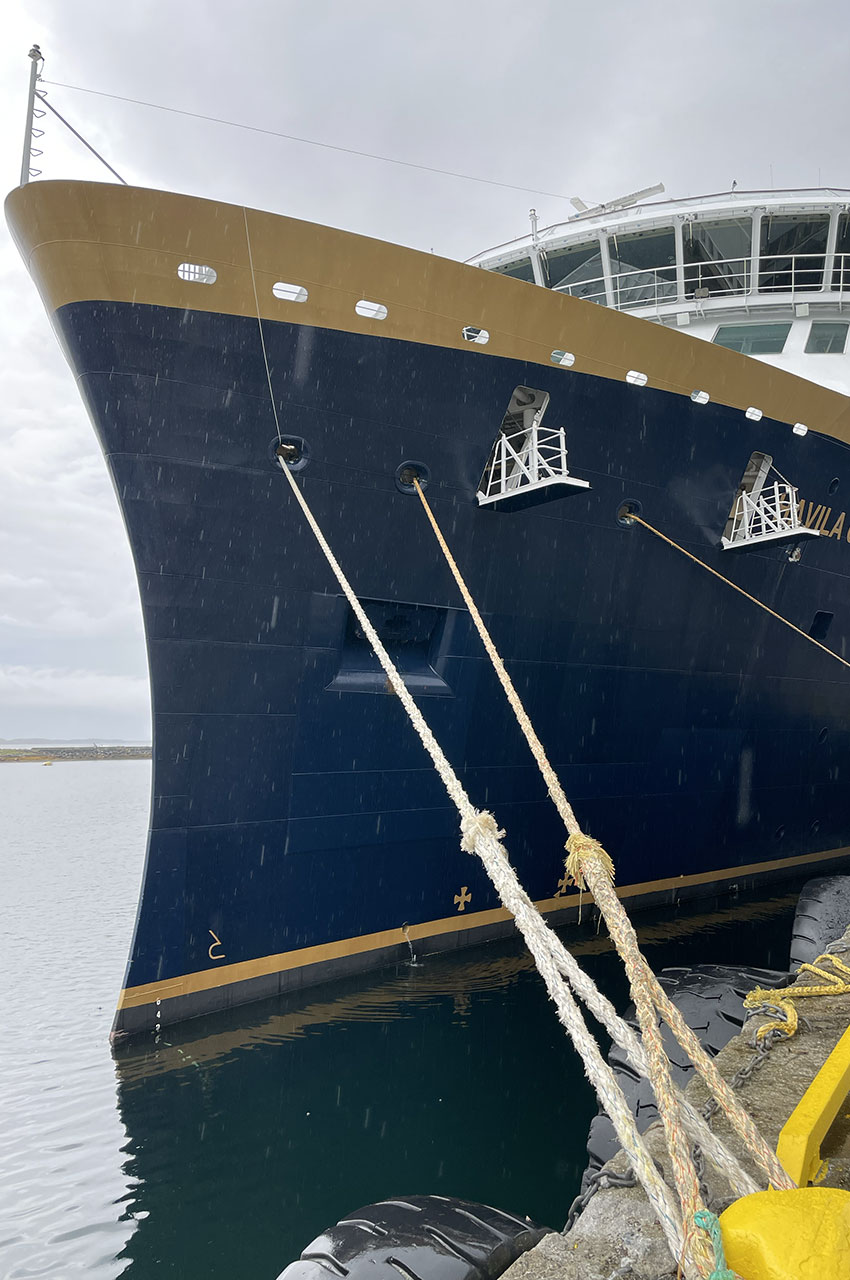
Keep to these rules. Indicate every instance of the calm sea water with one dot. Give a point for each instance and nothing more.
(223, 1149)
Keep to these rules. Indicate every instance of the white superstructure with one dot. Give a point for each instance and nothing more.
(766, 273)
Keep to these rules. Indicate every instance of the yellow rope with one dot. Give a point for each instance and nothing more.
(834, 983)
(589, 859)
(729, 583)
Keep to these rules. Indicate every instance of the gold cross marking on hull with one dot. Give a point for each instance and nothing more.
(462, 898)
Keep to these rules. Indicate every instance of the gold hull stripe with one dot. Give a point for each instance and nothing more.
(263, 966)
(94, 242)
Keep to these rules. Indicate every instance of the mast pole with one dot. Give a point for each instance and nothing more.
(37, 57)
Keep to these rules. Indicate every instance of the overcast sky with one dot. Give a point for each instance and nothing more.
(580, 97)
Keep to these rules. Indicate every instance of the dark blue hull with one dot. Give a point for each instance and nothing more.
(293, 806)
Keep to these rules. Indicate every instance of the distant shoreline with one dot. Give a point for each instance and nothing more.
(49, 755)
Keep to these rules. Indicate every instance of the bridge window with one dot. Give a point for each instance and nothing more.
(576, 269)
(841, 269)
(717, 256)
(792, 252)
(644, 267)
(753, 339)
(827, 338)
(517, 270)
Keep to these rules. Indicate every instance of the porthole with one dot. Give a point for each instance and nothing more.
(700, 397)
(754, 415)
(289, 292)
(636, 379)
(779, 833)
(370, 310)
(800, 429)
(565, 359)
(833, 485)
(195, 273)
(823, 735)
(472, 333)
(814, 826)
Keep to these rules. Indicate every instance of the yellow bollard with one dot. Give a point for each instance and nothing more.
(802, 1234)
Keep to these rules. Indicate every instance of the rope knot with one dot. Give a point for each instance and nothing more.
(476, 826)
(709, 1223)
(580, 849)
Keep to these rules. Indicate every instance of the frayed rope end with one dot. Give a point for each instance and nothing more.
(581, 848)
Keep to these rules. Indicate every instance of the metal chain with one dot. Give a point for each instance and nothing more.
(761, 1047)
(603, 1178)
(597, 1181)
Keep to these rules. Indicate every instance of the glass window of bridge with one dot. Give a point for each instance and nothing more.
(521, 270)
(827, 338)
(792, 252)
(717, 256)
(841, 269)
(576, 269)
(753, 339)
(644, 267)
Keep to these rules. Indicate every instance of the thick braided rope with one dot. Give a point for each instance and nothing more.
(834, 983)
(697, 1128)
(592, 859)
(481, 835)
(582, 851)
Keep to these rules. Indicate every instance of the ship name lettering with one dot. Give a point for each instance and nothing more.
(818, 517)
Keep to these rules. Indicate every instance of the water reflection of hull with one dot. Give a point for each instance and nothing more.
(410, 986)
(297, 832)
(264, 1124)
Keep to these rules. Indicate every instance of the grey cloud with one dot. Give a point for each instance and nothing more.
(579, 98)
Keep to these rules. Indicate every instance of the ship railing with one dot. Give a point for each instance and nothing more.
(524, 460)
(721, 278)
(766, 517)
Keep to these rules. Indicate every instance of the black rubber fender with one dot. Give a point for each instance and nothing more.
(822, 915)
(418, 1238)
(710, 998)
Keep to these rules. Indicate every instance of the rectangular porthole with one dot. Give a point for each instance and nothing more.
(821, 623)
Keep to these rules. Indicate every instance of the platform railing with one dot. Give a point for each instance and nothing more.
(525, 457)
(720, 278)
(772, 514)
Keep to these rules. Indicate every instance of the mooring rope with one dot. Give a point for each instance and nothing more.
(635, 519)
(589, 864)
(481, 835)
(833, 983)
